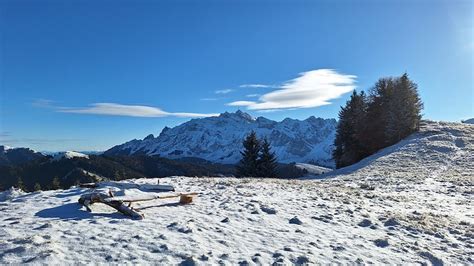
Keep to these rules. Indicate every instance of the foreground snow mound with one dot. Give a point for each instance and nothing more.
(234, 221)
(409, 204)
(10, 194)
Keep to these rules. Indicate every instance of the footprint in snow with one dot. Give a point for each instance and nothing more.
(180, 228)
(301, 260)
(391, 222)
(295, 220)
(188, 262)
(381, 243)
(365, 223)
(268, 210)
(432, 258)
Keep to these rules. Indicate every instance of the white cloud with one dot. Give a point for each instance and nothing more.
(252, 95)
(241, 103)
(43, 103)
(311, 89)
(209, 99)
(225, 91)
(256, 86)
(115, 109)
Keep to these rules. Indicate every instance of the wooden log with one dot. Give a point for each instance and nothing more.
(161, 197)
(96, 197)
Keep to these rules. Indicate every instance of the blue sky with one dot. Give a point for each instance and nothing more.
(86, 75)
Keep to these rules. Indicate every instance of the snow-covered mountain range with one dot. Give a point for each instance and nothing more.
(219, 139)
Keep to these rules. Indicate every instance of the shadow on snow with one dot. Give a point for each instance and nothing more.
(74, 211)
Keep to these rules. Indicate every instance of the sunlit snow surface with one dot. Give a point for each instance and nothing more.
(69, 155)
(410, 203)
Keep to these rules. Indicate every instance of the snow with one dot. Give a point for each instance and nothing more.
(469, 121)
(219, 139)
(409, 204)
(313, 169)
(6, 148)
(69, 155)
(10, 194)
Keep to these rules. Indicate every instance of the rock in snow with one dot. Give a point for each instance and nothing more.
(219, 139)
(424, 182)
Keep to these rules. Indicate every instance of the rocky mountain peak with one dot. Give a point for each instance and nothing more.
(219, 139)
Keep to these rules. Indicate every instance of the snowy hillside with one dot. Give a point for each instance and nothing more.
(469, 121)
(14, 156)
(69, 155)
(219, 139)
(411, 203)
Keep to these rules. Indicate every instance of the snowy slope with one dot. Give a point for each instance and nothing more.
(14, 156)
(439, 150)
(313, 169)
(69, 155)
(409, 204)
(219, 139)
(469, 121)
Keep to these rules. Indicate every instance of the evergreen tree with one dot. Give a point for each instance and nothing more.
(404, 110)
(368, 124)
(378, 115)
(37, 187)
(350, 131)
(56, 183)
(248, 165)
(20, 184)
(267, 161)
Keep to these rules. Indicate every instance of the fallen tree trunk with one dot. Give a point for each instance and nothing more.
(88, 199)
(118, 203)
(161, 197)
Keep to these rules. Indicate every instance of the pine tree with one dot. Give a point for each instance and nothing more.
(20, 184)
(404, 110)
(37, 187)
(267, 161)
(350, 131)
(248, 165)
(378, 115)
(56, 183)
(368, 124)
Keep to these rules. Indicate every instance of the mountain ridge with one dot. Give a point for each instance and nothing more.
(218, 139)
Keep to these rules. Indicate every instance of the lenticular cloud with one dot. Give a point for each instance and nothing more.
(311, 89)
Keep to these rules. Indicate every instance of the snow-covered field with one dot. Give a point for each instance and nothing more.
(410, 203)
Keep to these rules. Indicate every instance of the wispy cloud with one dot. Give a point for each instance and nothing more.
(311, 89)
(115, 109)
(127, 110)
(256, 86)
(209, 99)
(43, 103)
(252, 95)
(225, 91)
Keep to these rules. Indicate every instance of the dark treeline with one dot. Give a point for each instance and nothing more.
(257, 158)
(46, 174)
(368, 123)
